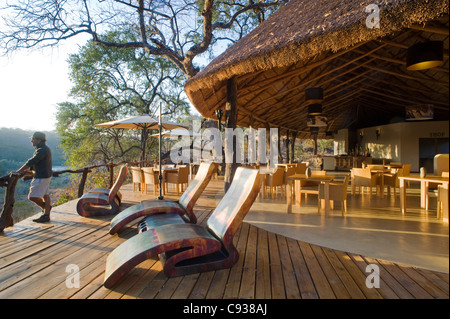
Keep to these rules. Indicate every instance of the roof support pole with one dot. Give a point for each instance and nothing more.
(230, 122)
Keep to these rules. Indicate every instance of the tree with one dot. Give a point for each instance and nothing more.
(111, 84)
(178, 30)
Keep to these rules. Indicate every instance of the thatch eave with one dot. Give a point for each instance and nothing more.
(337, 25)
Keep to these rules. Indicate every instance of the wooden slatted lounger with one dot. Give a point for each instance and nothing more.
(103, 201)
(184, 206)
(189, 248)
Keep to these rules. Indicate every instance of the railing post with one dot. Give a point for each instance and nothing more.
(6, 214)
(83, 182)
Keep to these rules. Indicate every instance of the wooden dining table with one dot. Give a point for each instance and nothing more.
(424, 182)
(290, 193)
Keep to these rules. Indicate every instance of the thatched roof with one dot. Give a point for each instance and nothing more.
(319, 43)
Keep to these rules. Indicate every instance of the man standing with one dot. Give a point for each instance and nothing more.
(41, 164)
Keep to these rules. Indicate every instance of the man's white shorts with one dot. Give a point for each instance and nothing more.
(39, 187)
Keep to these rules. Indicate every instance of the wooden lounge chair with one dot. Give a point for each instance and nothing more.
(103, 201)
(184, 206)
(188, 248)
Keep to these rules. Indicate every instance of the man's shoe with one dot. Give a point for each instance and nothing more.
(42, 219)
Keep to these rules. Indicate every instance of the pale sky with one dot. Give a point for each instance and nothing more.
(32, 83)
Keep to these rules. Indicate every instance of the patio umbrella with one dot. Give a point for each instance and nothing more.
(145, 122)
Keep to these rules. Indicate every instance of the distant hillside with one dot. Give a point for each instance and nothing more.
(16, 148)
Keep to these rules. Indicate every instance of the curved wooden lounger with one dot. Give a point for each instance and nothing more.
(184, 206)
(187, 248)
(101, 201)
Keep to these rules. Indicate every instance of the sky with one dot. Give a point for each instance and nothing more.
(32, 83)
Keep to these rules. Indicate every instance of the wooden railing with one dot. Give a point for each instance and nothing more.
(10, 181)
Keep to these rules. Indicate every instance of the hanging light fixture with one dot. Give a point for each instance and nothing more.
(315, 109)
(426, 55)
(314, 95)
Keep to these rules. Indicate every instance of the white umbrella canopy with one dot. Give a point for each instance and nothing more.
(177, 132)
(143, 121)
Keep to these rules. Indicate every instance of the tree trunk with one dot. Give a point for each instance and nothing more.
(294, 136)
(230, 122)
(6, 219)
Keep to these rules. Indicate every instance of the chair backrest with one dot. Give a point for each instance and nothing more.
(361, 176)
(196, 187)
(375, 166)
(440, 163)
(136, 174)
(406, 169)
(318, 173)
(289, 171)
(118, 183)
(444, 174)
(183, 174)
(300, 168)
(149, 175)
(337, 191)
(235, 204)
(277, 178)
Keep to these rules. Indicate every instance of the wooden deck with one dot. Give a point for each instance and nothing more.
(36, 261)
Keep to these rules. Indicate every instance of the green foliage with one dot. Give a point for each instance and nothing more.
(109, 84)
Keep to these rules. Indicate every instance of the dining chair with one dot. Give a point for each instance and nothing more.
(442, 200)
(150, 178)
(137, 178)
(391, 179)
(310, 187)
(178, 177)
(337, 192)
(275, 180)
(363, 177)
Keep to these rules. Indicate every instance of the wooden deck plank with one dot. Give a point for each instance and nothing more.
(290, 281)
(247, 287)
(304, 280)
(320, 281)
(33, 262)
(276, 274)
(358, 276)
(385, 290)
(263, 281)
(338, 277)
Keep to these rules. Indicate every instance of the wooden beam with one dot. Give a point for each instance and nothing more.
(431, 29)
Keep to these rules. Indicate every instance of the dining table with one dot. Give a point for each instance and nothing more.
(424, 183)
(290, 192)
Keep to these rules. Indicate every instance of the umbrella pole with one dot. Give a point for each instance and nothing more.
(160, 197)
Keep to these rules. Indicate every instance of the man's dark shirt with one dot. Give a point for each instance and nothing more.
(41, 162)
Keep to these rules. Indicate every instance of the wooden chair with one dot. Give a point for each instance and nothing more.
(186, 248)
(150, 178)
(137, 178)
(183, 207)
(391, 179)
(433, 189)
(442, 201)
(362, 177)
(177, 177)
(275, 180)
(103, 201)
(337, 192)
(300, 168)
(309, 187)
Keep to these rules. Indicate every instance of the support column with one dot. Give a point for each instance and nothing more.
(230, 122)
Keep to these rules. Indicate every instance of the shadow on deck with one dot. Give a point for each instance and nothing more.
(37, 261)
